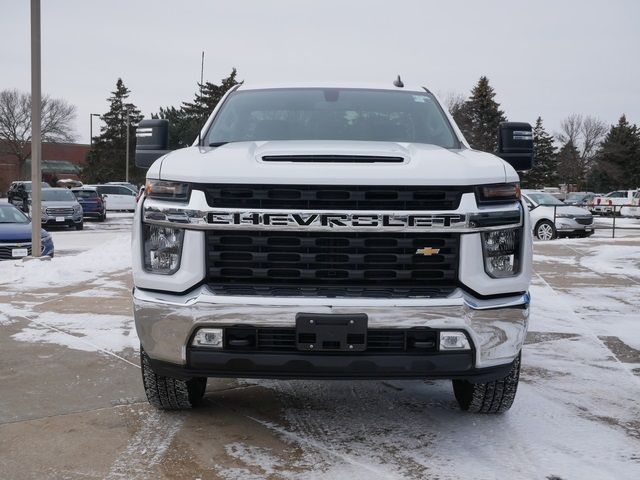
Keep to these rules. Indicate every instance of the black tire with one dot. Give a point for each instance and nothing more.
(168, 393)
(79, 226)
(490, 397)
(542, 229)
(103, 217)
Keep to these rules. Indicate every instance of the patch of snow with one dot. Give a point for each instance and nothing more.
(88, 332)
(618, 260)
(88, 266)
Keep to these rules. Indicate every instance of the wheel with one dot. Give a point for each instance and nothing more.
(168, 393)
(545, 230)
(102, 217)
(490, 397)
(79, 226)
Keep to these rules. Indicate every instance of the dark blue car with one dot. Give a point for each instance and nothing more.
(92, 203)
(15, 234)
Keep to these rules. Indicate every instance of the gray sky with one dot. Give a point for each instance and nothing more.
(548, 58)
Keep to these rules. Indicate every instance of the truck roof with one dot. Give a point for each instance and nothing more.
(371, 86)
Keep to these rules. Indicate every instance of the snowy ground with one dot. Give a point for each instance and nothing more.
(72, 406)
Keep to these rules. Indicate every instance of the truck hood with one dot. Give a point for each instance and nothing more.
(242, 162)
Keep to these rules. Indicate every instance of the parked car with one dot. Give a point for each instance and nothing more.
(60, 207)
(553, 218)
(610, 204)
(15, 234)
(117, 197)
(68, 183)
(92, 203)
(15, 193)
(130, 186)
(580, 199)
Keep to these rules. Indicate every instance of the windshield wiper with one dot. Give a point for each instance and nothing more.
(218, 144)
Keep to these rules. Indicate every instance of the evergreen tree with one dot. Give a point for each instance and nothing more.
(186, 121)
(570, 169)
(545, 167)
(480, 116)
(619, 156)
(106, 161)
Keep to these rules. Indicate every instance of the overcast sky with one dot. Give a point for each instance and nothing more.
(548, 58)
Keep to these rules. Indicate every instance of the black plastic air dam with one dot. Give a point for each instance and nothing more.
(208, 363)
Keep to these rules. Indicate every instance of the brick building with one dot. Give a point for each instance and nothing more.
(59, 160)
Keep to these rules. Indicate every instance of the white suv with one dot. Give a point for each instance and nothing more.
(551, 218)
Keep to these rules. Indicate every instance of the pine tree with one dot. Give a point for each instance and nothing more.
(619, 156)
(570, 171)
(185, 122)
(480, 116)
(545, 168)
(106, 161)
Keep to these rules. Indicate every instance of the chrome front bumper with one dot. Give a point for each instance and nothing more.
(166, 322)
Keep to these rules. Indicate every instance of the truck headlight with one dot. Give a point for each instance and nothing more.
(501, 250)
(162, 248)
(77, 209)
(166, 190)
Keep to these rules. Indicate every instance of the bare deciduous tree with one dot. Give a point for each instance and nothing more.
(15, 122)
(453, 101)
(585, 134)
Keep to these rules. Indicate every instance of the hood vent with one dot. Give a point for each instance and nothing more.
(332, 159)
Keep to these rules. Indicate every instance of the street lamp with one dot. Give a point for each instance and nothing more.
(36, 134)
(91, 115)
(126, 173)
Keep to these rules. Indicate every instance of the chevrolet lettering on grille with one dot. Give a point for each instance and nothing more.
(331, 221)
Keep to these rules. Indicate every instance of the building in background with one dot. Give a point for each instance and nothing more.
(59, 161)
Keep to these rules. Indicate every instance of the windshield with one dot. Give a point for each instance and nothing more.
(11, 214)
(575, 197)
(85, 194)
(331, 114)
(544, 199)
(57, 195)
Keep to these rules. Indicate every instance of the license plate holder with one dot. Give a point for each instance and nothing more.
(59, 219)
(19, 252)
(322, 332)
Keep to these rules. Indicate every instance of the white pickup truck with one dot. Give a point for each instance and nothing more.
(614, 203)
(332, 232)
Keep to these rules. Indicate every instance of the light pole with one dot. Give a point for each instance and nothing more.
(126, 173)
(91, 115)
(36, 140)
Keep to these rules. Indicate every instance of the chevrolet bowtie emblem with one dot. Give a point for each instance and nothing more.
(427, 251)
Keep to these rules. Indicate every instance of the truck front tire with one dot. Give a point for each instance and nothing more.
(490, 397)
(168, 393)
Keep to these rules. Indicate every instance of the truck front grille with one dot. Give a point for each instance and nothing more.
(333, 197)
(353, 264)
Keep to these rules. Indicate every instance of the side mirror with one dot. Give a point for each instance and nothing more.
(152, 141)
(515, 144)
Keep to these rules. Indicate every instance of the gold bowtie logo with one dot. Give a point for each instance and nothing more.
(427, 251)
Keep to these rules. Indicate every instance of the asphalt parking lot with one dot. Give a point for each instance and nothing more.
(72, 404)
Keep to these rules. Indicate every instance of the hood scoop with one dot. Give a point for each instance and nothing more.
(332, 159)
